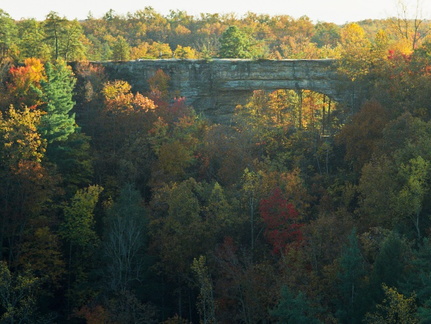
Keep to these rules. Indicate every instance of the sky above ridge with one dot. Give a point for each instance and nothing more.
(337, 11)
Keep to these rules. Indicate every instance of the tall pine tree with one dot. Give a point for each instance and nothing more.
(56, 92)
(350, 275)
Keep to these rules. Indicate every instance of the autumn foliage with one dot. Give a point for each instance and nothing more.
(118, 206)
(281, 221)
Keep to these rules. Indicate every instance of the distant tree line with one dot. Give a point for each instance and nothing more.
(148, 34)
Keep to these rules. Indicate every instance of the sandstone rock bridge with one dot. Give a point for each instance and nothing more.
(214, 87)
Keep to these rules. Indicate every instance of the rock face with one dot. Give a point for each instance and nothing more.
(216, 86)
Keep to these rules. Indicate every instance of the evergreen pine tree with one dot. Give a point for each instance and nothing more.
(389, 266)
(56, 92)
(350, 275)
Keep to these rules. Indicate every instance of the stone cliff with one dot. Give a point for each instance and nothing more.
(215, 87)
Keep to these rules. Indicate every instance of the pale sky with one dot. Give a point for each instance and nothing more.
(337, 11)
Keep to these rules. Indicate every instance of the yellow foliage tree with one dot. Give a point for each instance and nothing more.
(396, 308)
(185, 52)
(355, 51)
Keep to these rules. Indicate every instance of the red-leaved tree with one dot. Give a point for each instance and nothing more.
(281, 221)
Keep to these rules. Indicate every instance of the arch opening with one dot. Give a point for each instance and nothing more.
(298, 109)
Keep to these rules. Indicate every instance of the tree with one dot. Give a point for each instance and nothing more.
(395, 308)
(72, 48)
(377, 186)
(179, 227)
(250, 184)
(40, 252)
(54, 29)
(410, 199)
(418, 281)
(280, 218)
(173, 159)
(234, 43)
(218, 211)
(326, 34)
(121, 124)
(294, 308)
(77, 229)
(159, 84)
(278, 103)
(32, 36)
(159, 51)
(20, 138)
(410, 26)
(206, 304)
(245, 289)
(56, 92)
(355, 51)
(18, 296)
(78, 225)
(350, 278)
(361, 136)
(26, 185)
(23, 82)
(74, 161)
(121, 50)
(125, 241)
(178, 233)
(185, 52)
(389, 266)
(7, 34)
(65, 37)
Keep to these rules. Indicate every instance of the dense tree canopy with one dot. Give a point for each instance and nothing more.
(148, 34)
(125, 207)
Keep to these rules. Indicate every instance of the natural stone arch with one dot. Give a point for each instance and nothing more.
(214, 87)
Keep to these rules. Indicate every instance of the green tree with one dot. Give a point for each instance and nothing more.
(57, 92)
(125, 241)
(218, 209)
(234, 43)
(206, 304)
(77, 229)
(178, 233)
(180, 226)
(32, 37)
(78, 225)
(72, 48)
(350, 277)
(64, 37)
(410, 199)
(419, 280)
(377, 186)
(326, 34)
(121, 50)
(294, 308)
(7, 33)
(389, 266)
(74, 161)
(251, 182)
(54, 29)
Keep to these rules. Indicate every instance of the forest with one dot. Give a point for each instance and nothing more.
(125, 207)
